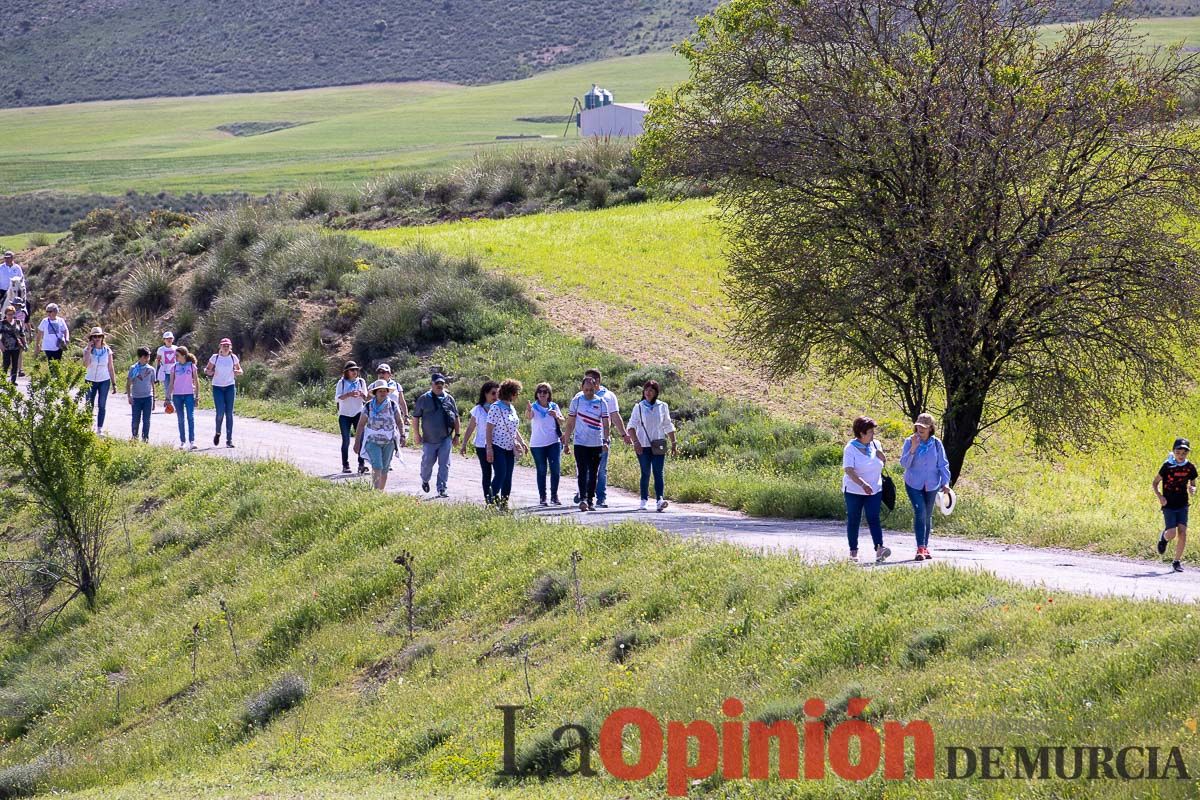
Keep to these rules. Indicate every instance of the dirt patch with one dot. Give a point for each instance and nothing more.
(391, 667)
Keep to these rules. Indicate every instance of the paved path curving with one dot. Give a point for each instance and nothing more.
(317, 454)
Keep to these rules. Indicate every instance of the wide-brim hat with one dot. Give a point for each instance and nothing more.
(96, 331)
(946, 502)
(377, 385)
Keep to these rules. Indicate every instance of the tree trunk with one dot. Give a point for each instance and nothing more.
(960, 426)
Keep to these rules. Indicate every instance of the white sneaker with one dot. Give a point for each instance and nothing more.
(642, 506)
(662, 504)
(183, 446)
(192, 446)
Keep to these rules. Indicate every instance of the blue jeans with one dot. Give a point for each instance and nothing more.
(922, 502)
(602, 478)
(142, 406)
(856, 504)
(186, 402)
(548, 459)
(98, 390)
(503, 462)
(486, 467)
(650, 462)
(223, 402)
(439, 452)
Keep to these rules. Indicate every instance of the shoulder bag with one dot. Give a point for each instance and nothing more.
(658, 447)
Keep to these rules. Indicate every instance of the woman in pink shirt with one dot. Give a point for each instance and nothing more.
(182, 382)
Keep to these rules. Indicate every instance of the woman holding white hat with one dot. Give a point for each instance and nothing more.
(380, 430)
(98, 361)
(926, 474)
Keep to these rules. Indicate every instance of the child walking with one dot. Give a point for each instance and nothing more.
(1177, 477)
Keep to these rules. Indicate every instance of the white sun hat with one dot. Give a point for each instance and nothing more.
(946, 502)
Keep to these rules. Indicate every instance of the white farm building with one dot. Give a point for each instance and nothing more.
(602, 117)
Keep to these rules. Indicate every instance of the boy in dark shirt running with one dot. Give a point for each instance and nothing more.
(1177, 476)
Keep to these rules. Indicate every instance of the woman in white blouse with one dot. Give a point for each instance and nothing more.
(504, 442)
(862, 486)
(478, 426)
(651, 426)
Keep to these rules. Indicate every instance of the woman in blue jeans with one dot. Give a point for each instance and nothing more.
(926, 472)
(504, 442)
(477, 428)
(98, 361)
(545, 440)
(183, 384)
(223, 368)
(862, 486)
(650, 422)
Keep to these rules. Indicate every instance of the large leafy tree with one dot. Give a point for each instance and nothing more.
(994, 224)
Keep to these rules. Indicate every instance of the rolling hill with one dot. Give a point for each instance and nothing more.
(61, 51)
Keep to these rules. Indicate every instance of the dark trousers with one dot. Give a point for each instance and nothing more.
(141, 407)
(98, 391)
(53, 355)
(481, 452)
(856, 506)
(346, 424)
(547, 459)
(503, 462)
(12, 362)
(587, 468)
(651, 463)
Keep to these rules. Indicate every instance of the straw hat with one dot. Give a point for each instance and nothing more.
(946, 502)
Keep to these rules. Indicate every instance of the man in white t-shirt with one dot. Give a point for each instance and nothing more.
(9, 269)
(53, 335)
(618, 426)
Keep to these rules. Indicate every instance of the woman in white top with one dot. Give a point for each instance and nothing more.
(503, 441)
(478, 425)
(224, 367)
(164, 362)
(380, 430)
(862, 486)
(98, 360)
(651, 426)
(350, 394)
(545, 440)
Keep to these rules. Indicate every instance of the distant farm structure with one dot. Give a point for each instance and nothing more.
(602, 116)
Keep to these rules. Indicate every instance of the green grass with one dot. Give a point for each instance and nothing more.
(1158, 31)
(349, 133)
(306, 570)
(21, 241)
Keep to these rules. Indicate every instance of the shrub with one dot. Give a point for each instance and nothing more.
(398, 188)
(21, 780)
(313, 261)
(545, 756)
(183, 320)
(312, 395)
(312, 366)
(666, 376)
(38, 240)
(548, 591)
(250, 314)
(784, 710)
(314, 200)
(923, 646)
(147, 289)
(206, 285)
(623, 646)
(596, 193)
(287, 691)
(254, 379)
(509, 188)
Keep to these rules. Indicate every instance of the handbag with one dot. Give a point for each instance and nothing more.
(658, 447)
(889, 492)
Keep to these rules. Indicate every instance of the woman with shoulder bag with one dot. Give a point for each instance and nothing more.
(862, 486)
(651, 425)
(545, 440)
(350, 394)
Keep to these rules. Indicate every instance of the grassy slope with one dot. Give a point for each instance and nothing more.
(305, 567)
(20, 241)
(351, 132)
(656, 268)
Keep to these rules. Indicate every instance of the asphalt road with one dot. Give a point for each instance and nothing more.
(318, 454)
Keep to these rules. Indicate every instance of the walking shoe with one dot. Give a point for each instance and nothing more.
(591, 507)
(1175, 565)
(554, 501)
(228, 443)
(601, 505)
(642, 506)
(183, 445)
(216, 438)
(424, 486)
(363, 469)
(191, 445)
(543, 502)
(920, 556)
(345, 469)
(662, 504)
(928, 555)
(583, 506)
(881, 554)
(1162, 543)
(442, 493)
(854, 556)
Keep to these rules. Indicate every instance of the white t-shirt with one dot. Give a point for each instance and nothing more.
(610, 400)
(223, 367)
(351, 406)
(54, 335)
(541, 427)
(166, 360)
(480, 415)
(97, 370)
(868, 468)
(7, 273)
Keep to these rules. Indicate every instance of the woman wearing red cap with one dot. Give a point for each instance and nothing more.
(224, 367)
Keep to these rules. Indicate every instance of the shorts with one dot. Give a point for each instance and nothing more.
(380, 455)
(1173, 517)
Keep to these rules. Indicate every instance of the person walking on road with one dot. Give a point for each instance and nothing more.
(98, 363)
(183, 385)
(164, 361)
(588, 430)
(9, 269)
(1177, 479)
(545, 440)
(53, 334)
(384, 373)
(380, 431)
(350, 394)
(862, 486)
(223, 368)
(615, 421)
(488, 393)
(651, 427)
(926, 472)
(436, 429)
(12, 342)
(504, 442)
(139, 388)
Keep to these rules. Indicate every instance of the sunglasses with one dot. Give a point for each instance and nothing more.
(543, 391)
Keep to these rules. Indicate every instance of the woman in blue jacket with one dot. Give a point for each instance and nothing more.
(926, 472)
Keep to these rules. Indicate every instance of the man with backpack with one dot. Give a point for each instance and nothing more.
(53, 335)
(436, 430)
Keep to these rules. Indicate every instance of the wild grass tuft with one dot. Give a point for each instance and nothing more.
(287, 691)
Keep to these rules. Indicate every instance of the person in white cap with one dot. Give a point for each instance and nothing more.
(98, 361)
(53, 334)
(9, 269)
(926, 474)
(384, 373)
(163, 361)
(224, 367)
(380, 431)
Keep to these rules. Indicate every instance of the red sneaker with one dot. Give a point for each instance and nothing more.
(928, 555)
(920, 556)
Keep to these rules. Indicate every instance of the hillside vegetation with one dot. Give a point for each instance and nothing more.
(60, 51)
(326, 692)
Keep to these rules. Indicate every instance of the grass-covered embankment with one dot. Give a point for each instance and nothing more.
(108, 699)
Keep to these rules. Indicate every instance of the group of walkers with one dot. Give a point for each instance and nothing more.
(374, 421)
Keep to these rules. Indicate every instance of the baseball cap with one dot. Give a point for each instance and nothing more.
(383, 368)
(226, 341)
(1181, 442)
(168, 335)
(9, 254)
(438, 378)
(52, 307)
